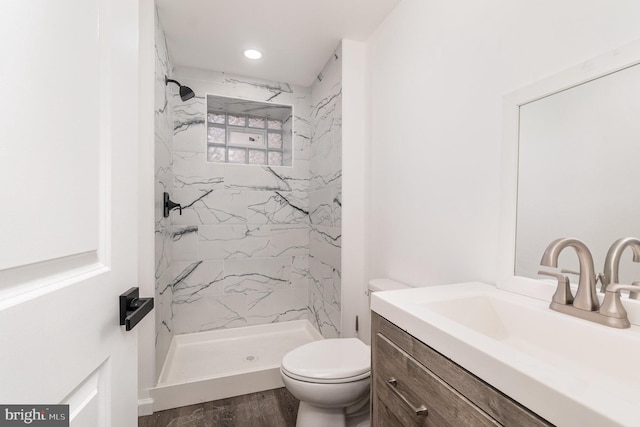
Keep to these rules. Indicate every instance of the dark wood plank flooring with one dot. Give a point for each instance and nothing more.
(271, 408)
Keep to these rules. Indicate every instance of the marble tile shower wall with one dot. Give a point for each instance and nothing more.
(163, 124)
(241, 245)
(325, 198)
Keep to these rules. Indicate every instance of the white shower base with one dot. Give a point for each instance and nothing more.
(213, 365)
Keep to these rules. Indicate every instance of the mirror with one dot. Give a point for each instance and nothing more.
(578, 171)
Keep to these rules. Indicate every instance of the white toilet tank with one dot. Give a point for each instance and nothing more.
(376, 285)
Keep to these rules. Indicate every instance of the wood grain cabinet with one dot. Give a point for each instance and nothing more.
(414, 385)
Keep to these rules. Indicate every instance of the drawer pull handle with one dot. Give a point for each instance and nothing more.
(419, 410)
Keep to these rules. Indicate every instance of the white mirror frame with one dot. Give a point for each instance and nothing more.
(599, 66)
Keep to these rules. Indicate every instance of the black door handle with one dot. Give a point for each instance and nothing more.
(133, 309)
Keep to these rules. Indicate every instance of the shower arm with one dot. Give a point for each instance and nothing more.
(167, 80)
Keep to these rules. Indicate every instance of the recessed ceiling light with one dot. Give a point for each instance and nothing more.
(253, 54)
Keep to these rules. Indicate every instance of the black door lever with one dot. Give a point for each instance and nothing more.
(133, 308)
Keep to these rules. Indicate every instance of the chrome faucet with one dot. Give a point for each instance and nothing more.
(586, 297)
(612, 261)
(585, 304)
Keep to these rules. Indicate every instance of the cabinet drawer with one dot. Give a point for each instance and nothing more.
(396, 401)
(485, 397)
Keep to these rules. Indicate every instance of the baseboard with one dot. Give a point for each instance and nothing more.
(145, 407)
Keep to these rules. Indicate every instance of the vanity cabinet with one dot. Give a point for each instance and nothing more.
(414, 385)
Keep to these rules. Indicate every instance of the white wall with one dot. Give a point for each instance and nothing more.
(438, 71)
(146, 248)
(355, 115)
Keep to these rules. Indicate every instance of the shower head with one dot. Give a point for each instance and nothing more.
(185, 92)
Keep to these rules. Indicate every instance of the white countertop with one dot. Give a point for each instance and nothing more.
(569, 371)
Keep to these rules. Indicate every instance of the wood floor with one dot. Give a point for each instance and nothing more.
(271, 408)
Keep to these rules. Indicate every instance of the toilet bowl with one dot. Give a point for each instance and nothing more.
(331, 377)
(328, 376)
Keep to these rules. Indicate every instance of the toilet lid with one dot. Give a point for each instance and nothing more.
(329, 359)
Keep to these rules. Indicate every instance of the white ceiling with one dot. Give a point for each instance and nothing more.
(296, 37)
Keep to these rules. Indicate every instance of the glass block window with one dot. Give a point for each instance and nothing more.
(216, 154)
(275, 158)
(216, 118)
(216, 135)
(257, 157)
(275, 140)
(237, 155)
(275, 124)
(234, 120)
(242, 131)
(246, 139)
(257, 122)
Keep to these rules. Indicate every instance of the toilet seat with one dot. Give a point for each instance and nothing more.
(325, 380)
(329, 361)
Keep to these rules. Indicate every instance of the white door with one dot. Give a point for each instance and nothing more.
(68, 174)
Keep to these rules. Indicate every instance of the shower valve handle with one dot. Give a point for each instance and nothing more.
(169, 205)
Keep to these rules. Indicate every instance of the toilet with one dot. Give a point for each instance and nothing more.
(332, 377)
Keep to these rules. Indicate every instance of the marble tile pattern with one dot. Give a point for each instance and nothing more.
(241, 246)
(163, 141)
(325, 198)
(254, 244)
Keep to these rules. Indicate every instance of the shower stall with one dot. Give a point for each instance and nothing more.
(249, 267)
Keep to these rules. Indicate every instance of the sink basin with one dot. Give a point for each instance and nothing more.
(567, 370)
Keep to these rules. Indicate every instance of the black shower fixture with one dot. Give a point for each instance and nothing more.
(185, 92)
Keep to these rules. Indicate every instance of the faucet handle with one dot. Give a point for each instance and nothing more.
(612, 306)
(563, 293)
(635, 294)
(565, 271)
